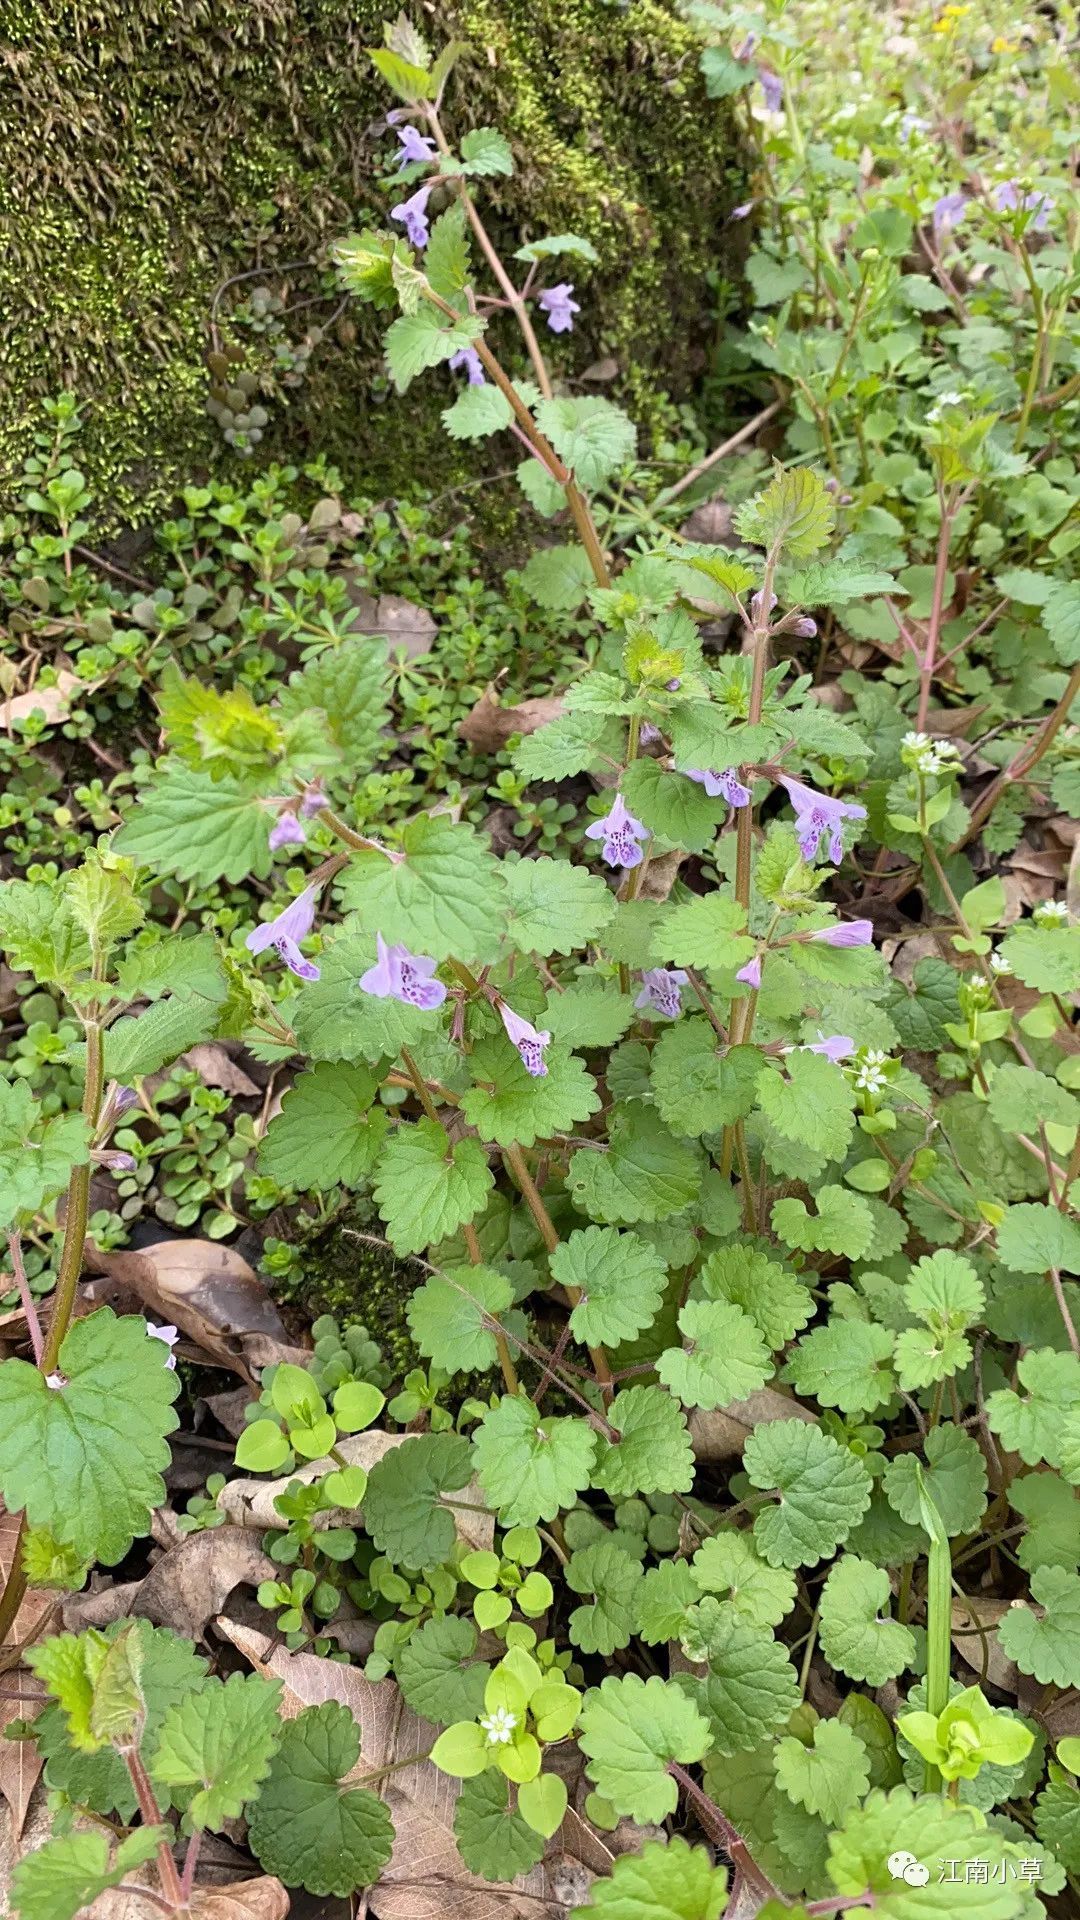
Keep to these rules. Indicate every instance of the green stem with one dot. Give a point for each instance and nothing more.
(938, 1613)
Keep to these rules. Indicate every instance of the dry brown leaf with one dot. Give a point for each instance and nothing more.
(216, 1068)
(426, 1878)
(261, 1898)
(208, 1291)
(975, 1611)
(249, 1502)
(184, 1588)
(36, 1604)
(20, 1762)
(722, 1435)
(660, 876)
(488, 727)
(53, 702)
(405, 625)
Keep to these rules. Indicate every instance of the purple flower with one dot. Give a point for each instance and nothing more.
(649, 734)
(1009, 199)
(123, 1099)
(401, 975)
(529, 1043)
(947, 213)
(285, 933)
(416, 148)
(660, 991)
(313, 802)
(817, 814)
(758, 609)
(559, 306)
(838, 1046)
(468, 358)
(745, 47)
(169, 1335)
(620, 833)
(413, 215)
(115, 1162)
(725, 785)
(849, 933)
(912, 123)
(772, 88)
(286, 832)
(803, 627)
(742, 212)
(751, 973)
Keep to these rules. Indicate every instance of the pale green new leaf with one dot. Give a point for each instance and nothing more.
(853, 1636)
(66, 1874)
(772, 1295)
(1033, 1238)
(558, 577)
(823, 1491)
(426, 1188)
(665, 1596)
(630, 1730)
(449, 1315)
(416, 341)
(704, 932)
(66, 1459)
(1061, 618)
(554, 907)
(477, 412)
(943, 1836)
(531, 1466)
(725, 1358)
(307, 1828)
(794, 513)
(217, 1745)
(485, 151)
(831, 1776)
(328, 1133)
(445, 897)
(620, 1278)
(344, 689)
(1022, 1099)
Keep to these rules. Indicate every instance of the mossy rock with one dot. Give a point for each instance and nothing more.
(153, 151)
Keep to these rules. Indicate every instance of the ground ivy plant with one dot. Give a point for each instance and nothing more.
(743, 1270)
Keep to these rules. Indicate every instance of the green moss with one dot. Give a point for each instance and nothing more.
(349, 1277)
(152, 151)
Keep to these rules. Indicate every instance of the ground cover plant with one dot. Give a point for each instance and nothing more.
(671, 979)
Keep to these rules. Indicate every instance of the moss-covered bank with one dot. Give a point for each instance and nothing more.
(153, 150)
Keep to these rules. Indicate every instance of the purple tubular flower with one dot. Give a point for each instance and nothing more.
(772, 88)
(725, 785)
(285, 933)
(946, 214)
(849, 933)
(312, 803)
(758, 607)
(123, 1099)
(838, 1046)
(742, 212)
(649, 734)
(170, 1336)
(468, 358)
(620, 833)
(751, 973)
(817, 814)
(286, 832)
(413, 215)
(660, 991)
(416, 147)
(803, 627)
(401, 975)
(524, 1036)
(559, 306)
(114, 1162)
(745, 47)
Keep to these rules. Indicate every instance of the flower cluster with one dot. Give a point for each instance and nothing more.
(925, 755)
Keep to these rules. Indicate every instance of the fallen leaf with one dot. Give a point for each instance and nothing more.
(660, 876)
(20, 1762)
(36, 1604)
(216, 1068)
(408, 628)
(489, 726)
(722, 1435)
(208, 1291)
(185, 1588)
(249, 1502)
(974, 1611)
(426, 1878)
(261, 1898)
(54, 702)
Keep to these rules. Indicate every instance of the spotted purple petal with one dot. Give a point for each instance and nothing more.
(529, 1042)
(620, 833)
(661, 991)
(401, 975)
(284, 934)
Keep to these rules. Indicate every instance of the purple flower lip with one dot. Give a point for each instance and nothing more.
(285, 933)
(837, 1047)
(401, 975)
(818, 815)
(946, 214)
(529, 1042)
(725, 785)
(620, 833)
(849, 933)
(286, 832)
(559, 306)
(660, 991)
(750, 975)
(170, 1336)
(469, 359)
(413, 215)
(314, 800)
(772, 88)
(416, 148)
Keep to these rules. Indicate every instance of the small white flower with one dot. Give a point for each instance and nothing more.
(870, 1080)
(1051, 913)
(499, 1726)
(56, 1380)
(999, 963)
